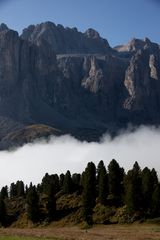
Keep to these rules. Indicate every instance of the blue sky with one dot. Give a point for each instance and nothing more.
(116, 20)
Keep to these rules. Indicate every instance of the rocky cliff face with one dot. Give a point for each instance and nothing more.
(75, 82)
(66, 40)
(143, 83)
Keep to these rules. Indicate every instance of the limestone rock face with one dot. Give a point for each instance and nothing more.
(143, 83)
(74, 82)
(66, 40)
(9, 60)
(3, 27)
(91, 33)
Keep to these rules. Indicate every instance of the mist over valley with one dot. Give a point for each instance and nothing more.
(30, 162)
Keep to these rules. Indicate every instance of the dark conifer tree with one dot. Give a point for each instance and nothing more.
(61, 180)
(133, 189)
(89, 192)
(156, 201)
(39, 188)
(147, 188)
(13, 190)
(2, 212)
(55, 180)
(26, 190)
(115, 181)
(48, 181)
(67, 183)
(30, 186)
(76, 180)
(50, 186)
(102, 179)
(32, 201)
(154, 178)
(51, 203)
(4, 192)
(20, 189)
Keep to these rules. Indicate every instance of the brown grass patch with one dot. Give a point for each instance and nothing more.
(109, 232)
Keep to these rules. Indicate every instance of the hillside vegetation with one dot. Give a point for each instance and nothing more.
(99, 195)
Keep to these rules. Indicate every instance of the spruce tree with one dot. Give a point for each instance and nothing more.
(26, 189)
(45, 183)
(20, 189)
(156, 201)
(61, 180)
(154, 178)
(115, 181)
(32, 201)
(51, 204)
(2, 212)
(102, 179)
(48, 181)
(147, 188)
(13, 190)
(4, 192)
(50, 186)
(67, 183)
(89, 192)
(133, 189)
(76, 180)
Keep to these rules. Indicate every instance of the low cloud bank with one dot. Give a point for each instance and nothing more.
(32, 161)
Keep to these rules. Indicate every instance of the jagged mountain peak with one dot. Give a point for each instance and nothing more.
(67, 40)
(3, 27)
(91, 33)
(136, 44)
(147, 40)
(44, 26)
(75, 82)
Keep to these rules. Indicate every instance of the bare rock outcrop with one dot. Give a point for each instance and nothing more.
(74, 82)
(66, 40)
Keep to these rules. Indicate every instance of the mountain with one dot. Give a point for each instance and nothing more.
(74, 82)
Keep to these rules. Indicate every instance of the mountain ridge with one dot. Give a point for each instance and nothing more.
(75, 82)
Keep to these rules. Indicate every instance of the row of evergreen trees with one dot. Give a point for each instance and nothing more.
(138, 189)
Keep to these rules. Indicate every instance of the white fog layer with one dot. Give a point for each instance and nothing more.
(32, 161)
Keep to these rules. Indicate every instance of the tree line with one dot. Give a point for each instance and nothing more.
(138, 190)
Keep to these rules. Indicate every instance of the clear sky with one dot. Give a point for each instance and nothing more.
(116, 20)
